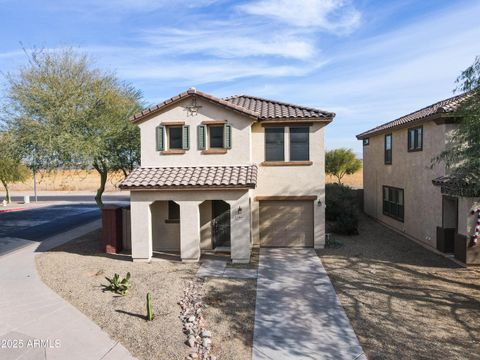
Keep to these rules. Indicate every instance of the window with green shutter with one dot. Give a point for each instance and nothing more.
(201, 137)
(186, 137)
(160, 130)
(227, 136)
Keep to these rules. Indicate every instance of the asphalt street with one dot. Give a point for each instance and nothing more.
(41, 223)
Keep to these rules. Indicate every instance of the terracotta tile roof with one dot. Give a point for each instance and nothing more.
(191, 177)
(445, 106)
(257, 108)
(271, 109)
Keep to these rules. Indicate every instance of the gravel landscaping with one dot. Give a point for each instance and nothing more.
(77, 270)
(231, 315)
(405, 302)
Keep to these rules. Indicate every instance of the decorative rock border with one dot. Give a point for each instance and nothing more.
(199, 339)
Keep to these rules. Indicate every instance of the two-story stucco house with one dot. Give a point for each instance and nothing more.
(403, 190)
(227, 174)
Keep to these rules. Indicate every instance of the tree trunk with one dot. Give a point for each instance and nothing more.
(339, 180)
(7, 193)
(103, 171)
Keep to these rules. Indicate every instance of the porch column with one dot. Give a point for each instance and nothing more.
(141, 230)
(319, 222)
(189, 230)
(240, 229)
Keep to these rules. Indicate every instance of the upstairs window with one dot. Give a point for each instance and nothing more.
(415, 139)
(393, 205)
(388, 149)
(299, 143)
(175, 137)
(216, 136)
(275, 144)
(172, 139)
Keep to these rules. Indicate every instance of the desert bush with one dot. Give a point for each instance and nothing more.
(341, 208)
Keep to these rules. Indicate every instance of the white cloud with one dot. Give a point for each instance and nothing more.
(337, 16)
(230, 42)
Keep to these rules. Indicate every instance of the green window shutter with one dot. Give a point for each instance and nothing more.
(160, 130)
(201, 138)
(186, 137)
(227, 136)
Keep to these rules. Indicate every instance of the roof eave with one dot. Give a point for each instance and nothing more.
(432, 117)
(141, 116)
(188, 187)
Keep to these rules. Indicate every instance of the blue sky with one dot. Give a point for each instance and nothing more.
(368, 61)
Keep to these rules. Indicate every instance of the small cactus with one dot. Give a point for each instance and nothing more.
(149, 307)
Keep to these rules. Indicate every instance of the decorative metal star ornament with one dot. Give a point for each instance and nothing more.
(193, 108)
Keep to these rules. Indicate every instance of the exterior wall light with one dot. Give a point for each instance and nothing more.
(239, 210)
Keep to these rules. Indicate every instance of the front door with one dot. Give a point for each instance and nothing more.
(220, 223)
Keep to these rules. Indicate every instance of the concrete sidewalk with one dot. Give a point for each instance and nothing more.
(39, 323)
(297, 313)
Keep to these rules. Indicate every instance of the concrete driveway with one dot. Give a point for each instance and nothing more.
(297, 314)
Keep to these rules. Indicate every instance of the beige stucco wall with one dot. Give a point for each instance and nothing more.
(165, 236)
(206, 225)
(291, 180)
(239, 154)
(410, 171)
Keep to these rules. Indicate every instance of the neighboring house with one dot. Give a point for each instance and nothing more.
(226, 174)
(402, 190)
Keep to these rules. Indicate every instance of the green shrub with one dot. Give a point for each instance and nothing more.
(118, 286)
(341, 208)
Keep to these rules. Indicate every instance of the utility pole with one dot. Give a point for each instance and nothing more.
(35, 185)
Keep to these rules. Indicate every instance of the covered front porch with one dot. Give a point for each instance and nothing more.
(191, 221)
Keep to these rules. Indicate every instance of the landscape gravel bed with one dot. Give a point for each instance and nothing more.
(77, 270)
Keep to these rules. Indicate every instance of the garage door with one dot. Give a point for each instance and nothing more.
(286, 223)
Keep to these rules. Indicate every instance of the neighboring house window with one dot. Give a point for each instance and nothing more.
(274, 144)
(393, 202)
(415, 139)
(169, 137)
(214, 136)
(388, 149)
(299, 143)
(366, 142)
(173, 212)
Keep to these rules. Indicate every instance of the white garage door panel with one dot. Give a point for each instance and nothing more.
(286, 223)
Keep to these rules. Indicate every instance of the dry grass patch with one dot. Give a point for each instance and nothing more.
(355, 180)
(404, 301)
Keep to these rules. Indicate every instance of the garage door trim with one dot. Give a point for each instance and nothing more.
(287, 198)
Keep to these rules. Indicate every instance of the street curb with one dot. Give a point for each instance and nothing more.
(23, 208)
